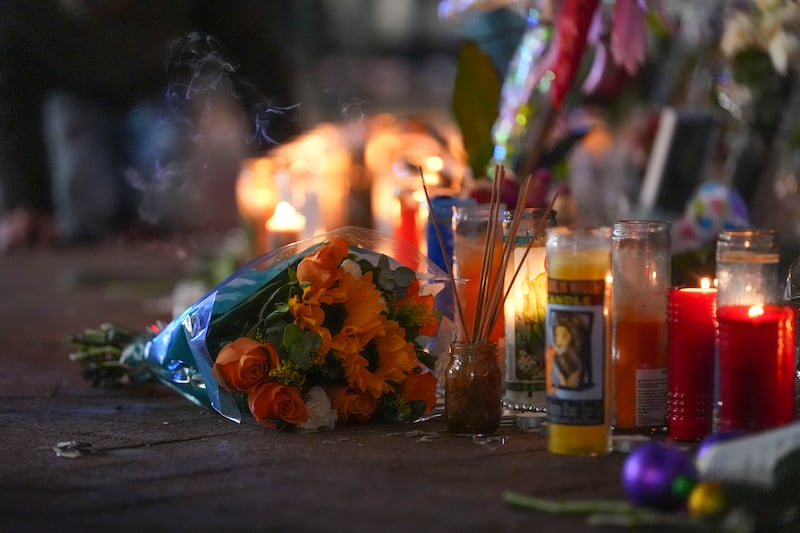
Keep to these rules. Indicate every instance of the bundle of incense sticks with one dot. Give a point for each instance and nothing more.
(493, 290)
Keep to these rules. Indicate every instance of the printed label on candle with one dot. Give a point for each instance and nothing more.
(575, 336)
(651, 396)
(525, 324)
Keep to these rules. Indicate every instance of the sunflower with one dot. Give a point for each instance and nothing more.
(387, 358)
(396, 356)
(366, 345)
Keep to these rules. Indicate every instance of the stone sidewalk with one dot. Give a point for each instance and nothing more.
(158, 462)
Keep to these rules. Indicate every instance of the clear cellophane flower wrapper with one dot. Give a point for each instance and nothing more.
(345, 326)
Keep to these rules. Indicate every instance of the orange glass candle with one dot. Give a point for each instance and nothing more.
(469, 250)
(631, 375)
(640, 260)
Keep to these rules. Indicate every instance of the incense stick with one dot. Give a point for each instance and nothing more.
(490, 281)
(540, 226)
(487, 281)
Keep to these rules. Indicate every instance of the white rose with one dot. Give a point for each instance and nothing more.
(320, 414)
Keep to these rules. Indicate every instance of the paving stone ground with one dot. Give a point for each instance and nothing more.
(159, 463)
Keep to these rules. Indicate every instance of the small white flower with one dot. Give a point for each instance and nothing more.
(320, 414)
(352, 268)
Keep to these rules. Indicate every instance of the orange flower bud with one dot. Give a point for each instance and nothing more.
(420, 386)
(244, 363)
(321, 268)
(272, 401)
(352, 405)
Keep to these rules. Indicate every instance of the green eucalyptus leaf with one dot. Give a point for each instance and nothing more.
(386, 280)
(311, 341)
(292, 333)
(300, 356)
(476, 104)
(403, 276)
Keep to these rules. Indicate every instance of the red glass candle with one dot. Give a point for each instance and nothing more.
(691, 348)
(755, 367)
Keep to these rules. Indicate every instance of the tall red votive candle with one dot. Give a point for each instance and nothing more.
(755, 366)
(691, 348)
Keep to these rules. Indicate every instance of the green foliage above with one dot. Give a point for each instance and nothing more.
(476, 104)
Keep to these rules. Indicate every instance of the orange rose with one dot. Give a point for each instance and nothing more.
(352, 405)
(272, 401)
(420, 386)
(321, 268)
(244, 363)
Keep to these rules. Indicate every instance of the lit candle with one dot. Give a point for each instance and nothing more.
(256, 196)
(756, 368)
(285, 225)
(755, 335)
(690, 340)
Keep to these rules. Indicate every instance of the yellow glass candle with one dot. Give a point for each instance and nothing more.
(577, 358)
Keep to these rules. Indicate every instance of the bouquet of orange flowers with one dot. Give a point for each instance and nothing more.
(320, 331)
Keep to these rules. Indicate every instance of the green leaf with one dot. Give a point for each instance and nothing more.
(311, 341)
(403, 276)
(301, 345)
(567, 507)
(752, 67)
(476, 104)
(300, 356)
(291, 335)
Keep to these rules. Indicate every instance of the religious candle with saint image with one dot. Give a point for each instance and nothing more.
(577, 357)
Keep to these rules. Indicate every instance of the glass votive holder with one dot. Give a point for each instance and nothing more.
(747, 267)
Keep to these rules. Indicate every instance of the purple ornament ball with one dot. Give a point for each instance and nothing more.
(655, 476)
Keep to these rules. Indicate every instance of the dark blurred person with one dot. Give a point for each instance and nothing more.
(95, 120)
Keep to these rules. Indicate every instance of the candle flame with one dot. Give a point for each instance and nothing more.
(755, 311)
(286, 218)
(434, 163)
(705, 283)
